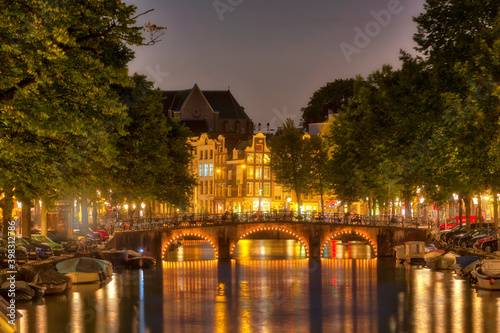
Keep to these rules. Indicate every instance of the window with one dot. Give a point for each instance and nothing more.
(206, 187)
(211, 153)
(267, 158)
(249, 188)
(267, 189)
(201, 187)
(230, 174)
(258, 172)
(211, 187)
(250, 158)
(200, 174)
(266, 173)
(211, 169)
(228, 190)
(239, 190)
(206, 170)
(250, 173)
(257, 189)
(201, 154)
(206, 154)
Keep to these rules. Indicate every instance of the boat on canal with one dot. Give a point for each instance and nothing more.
(86, 270)
(487, 275)
(138, 260)
(414, 252)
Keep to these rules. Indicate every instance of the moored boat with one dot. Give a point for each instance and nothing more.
(414, 252)
(444, 261)
(137, 260)
(487, 275)
(86, 270)
(463, 265)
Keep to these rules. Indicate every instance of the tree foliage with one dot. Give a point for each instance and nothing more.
(331, 97)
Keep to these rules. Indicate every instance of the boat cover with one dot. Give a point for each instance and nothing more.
(84, 265)
(464, 261)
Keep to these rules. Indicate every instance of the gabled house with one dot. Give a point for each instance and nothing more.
(209, 111)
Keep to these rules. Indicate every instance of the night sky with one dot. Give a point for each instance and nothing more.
(272, 54)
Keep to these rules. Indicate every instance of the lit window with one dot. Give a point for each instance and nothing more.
(211, 170)
(206, 170)
(250, 173)
(250, 158)
(267, 189)
(249, 188)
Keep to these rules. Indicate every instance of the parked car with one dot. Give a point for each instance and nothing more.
(43, 250)
(57, 248)
(20, 255)
(491, 235)
(87, 240)
(490, 245)
(104, 234)
(469, 238)
(454, 221)
(442, 233)
(31, 250)
(69, 245)
(459, 229)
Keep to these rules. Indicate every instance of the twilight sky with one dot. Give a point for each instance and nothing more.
(273, 54)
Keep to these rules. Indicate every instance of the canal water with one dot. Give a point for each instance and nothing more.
(269, 287)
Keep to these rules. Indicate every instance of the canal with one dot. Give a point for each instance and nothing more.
(269, 287)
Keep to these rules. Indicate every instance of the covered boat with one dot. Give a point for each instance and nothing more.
(487, 275)
(414, 252)
(86, 270)
(462, 262)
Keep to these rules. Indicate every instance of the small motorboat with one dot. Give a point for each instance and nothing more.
(86, 270)
(414, 252)
(444, 261)
(138, 260)
(431, 255)
(118, 258)
(487, 275)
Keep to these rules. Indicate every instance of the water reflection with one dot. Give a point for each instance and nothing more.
(273, 295)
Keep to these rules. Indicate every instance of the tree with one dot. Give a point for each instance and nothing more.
(290, 162)
(331, 97)
(57, 104)
(318, 155)
(154, 154)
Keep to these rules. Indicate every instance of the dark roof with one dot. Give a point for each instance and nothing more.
(196, 126)
(221, 101)
(173, 100)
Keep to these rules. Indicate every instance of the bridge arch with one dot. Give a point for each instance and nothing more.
(279, 229)
(370, 241)
(190, 234)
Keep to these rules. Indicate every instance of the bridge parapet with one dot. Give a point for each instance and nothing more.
(224, 237)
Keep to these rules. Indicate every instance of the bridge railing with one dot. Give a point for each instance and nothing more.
(191, 220)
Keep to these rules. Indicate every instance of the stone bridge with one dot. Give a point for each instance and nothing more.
(313, 236)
